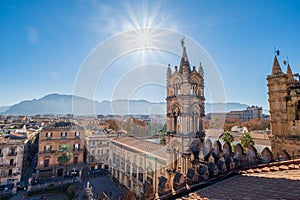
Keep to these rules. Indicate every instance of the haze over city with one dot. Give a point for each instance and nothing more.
(43, 44)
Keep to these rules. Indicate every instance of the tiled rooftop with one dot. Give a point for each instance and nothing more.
(283, 183)
(63, 126)
(142, 145)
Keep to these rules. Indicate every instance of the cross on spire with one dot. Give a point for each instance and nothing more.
(182, 42)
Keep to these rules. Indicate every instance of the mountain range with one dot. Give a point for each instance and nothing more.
(70, 104)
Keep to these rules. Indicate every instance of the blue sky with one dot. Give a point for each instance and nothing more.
(44, 43)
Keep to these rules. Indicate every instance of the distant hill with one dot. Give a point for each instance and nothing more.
(4, 108)
(63, 104)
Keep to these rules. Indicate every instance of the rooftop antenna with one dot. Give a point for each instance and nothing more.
(276, 52)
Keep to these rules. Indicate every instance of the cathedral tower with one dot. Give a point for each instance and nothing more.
(185, 112)
(284, 103)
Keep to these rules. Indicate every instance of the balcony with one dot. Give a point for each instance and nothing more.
(76, 149)
(45, 152)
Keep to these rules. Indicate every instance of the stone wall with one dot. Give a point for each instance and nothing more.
(285, 148)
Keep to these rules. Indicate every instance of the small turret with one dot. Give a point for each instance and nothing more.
(276, 70)
(184, 67)
(289, 72)
(201, 71)
(169, 73)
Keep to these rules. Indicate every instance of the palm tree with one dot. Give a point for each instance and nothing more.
(246, 140)
(227, 137)
(65, 155)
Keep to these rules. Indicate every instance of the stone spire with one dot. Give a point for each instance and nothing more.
(201, 71)
(184, 67)
(184, 59)
(289, 72)
(276, 67)
(169, 73)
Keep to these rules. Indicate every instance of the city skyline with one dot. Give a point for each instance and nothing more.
(44, 44)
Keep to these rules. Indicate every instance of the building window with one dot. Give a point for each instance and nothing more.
(122, 164)
(13, 151)
(99, 152)
(0, 152)
(47, 149)
(134, 171)
(63, 134)
(114, 158)
(77, 134)
(11, 162)
(48, 135)
(128, 167)
(46, 162)
(107, 151)
(9, 172)
(76, 147)
(93, 143)
(297, 117)
(100, 142)
(93, 152)
(141, 175)
(75, 159)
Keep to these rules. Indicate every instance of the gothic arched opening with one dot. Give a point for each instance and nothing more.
(297, 117)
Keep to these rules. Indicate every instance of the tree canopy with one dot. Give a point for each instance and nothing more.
(65, 154)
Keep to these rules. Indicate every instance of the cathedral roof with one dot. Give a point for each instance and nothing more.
(276, 67)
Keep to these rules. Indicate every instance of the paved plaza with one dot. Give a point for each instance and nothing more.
(103, 183)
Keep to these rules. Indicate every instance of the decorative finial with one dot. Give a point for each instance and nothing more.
(276, 52)
(182, 42)
(285, 62)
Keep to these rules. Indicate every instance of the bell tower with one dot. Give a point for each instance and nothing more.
(284, 102)
(185, 111)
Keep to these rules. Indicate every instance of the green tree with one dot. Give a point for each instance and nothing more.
(227, 137)
(65, 154)
(246, 140)
(162, 135)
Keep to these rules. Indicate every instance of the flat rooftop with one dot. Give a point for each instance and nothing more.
(264, 185)
(138, 144)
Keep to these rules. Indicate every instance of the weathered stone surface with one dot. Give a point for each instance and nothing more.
(227, 149)
(238, 151)
(273, 185)
(148, 191)
(178, 181)
(164, 186)
(266, 155)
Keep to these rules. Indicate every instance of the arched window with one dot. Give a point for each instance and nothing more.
(297, 117)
